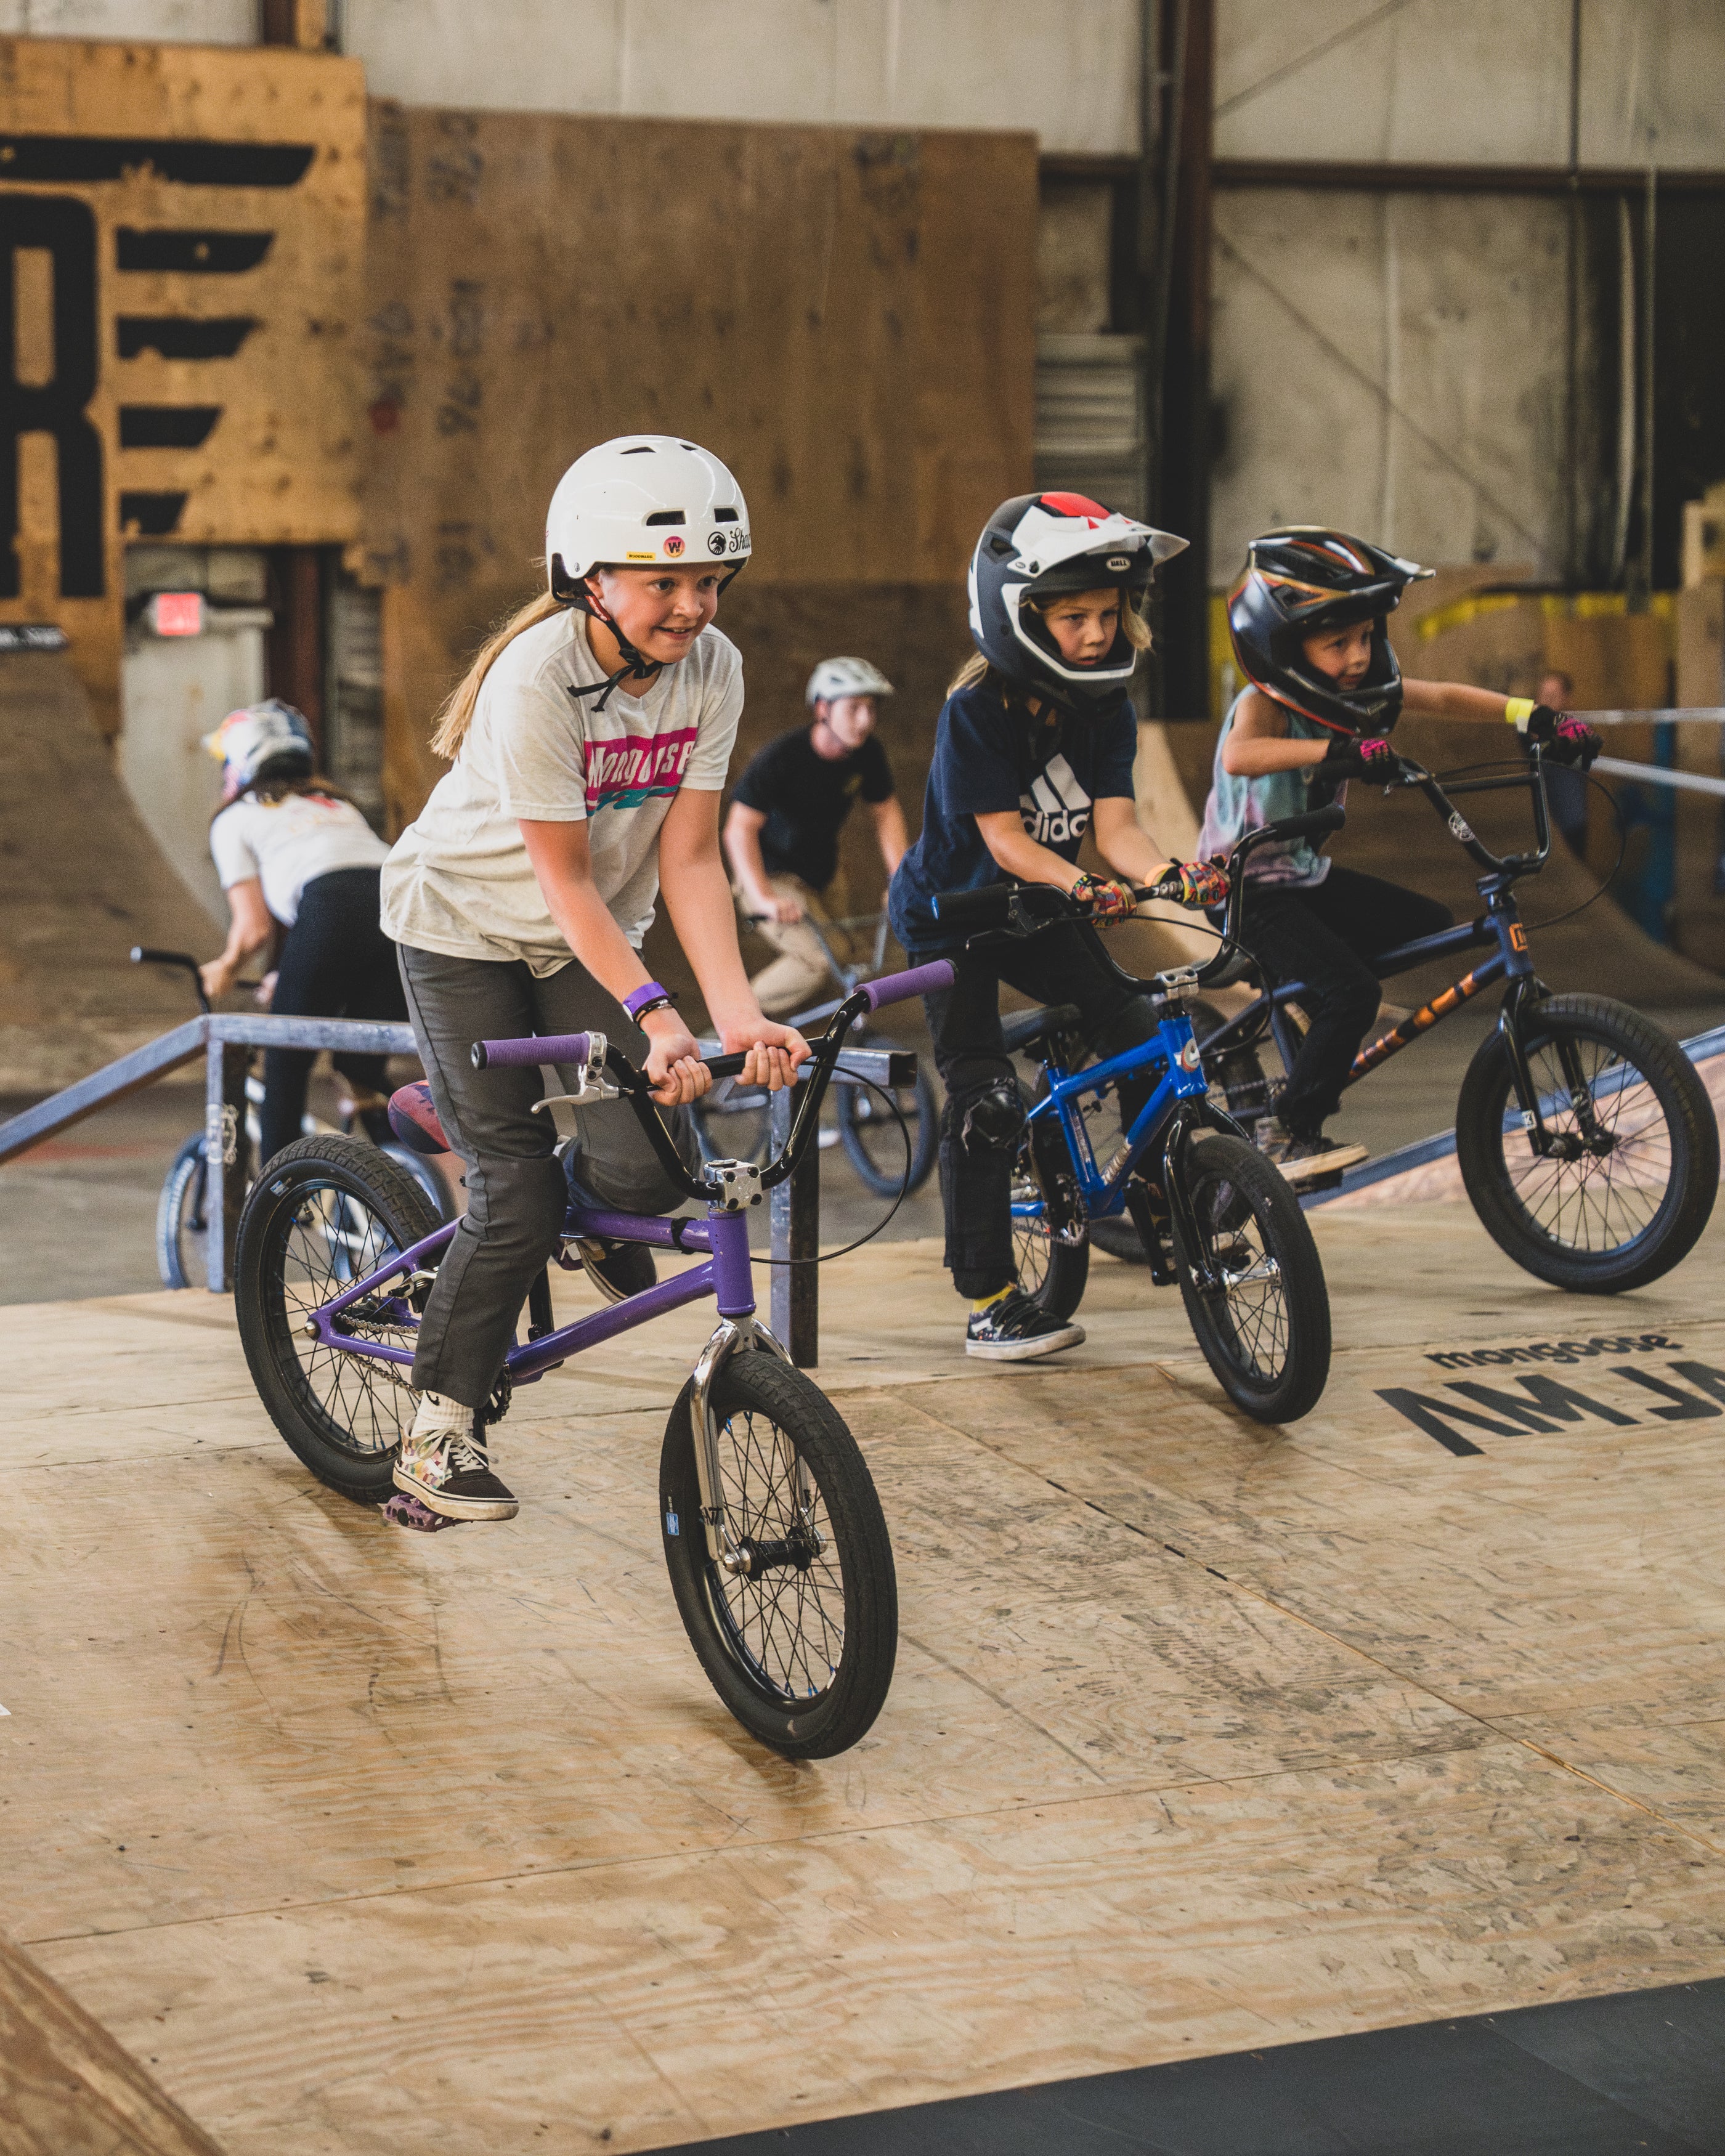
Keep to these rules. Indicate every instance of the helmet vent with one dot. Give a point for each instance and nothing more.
(725, 516)
(640, 449)
(666, 516)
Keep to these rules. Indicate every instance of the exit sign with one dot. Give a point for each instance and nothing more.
(176, 614)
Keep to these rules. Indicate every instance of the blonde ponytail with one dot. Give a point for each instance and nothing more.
(456, 716)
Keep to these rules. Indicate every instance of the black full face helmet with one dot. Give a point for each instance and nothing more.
(1041, 547)
(1300, 582)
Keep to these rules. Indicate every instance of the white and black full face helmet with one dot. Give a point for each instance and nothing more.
(642, 502)
(845, 677)
(1040, 547)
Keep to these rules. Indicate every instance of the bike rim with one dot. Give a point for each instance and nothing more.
(1032, 1245)
(1596, 1206)
(325, 1239)
(1250, 1317)
(784, 1630)
(878, 1133)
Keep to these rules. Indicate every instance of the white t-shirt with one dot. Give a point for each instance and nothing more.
(288, 843)
(460, 882)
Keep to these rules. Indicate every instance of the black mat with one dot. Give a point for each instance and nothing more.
(1637, 2073)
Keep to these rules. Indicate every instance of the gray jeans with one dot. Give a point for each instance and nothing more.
(517, 1192)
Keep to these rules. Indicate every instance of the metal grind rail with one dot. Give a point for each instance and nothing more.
(228, 1042)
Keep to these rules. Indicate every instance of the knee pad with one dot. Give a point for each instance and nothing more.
(987, 1118)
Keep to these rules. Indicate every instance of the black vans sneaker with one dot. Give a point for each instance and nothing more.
(1013, 1329)
(449, 1472)
(618, 1269)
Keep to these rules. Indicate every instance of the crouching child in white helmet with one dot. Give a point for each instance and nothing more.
(590, 742)
(782, 833)
(1034, 750)
(291, 848)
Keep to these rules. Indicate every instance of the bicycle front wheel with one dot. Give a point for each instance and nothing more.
(1619, 1204)
(326, 1212)
(1265, 1330)
(799, 1642)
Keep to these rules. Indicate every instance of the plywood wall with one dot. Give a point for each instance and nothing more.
(845, 316)
(182, 235)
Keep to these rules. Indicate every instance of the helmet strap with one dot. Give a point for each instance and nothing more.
(636, 666)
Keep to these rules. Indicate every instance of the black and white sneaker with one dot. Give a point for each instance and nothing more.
(618, 1269)
(1013, 1329)
(1306, 1159)
(449, 1472)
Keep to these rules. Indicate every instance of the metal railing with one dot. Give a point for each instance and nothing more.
(228, 1041)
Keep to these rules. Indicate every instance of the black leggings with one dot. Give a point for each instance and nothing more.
(337, 962)
(1063, 965)
(1322, 934)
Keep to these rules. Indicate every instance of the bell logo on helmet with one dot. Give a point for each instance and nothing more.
(716, 542)
(1117, 562)
(673, 544)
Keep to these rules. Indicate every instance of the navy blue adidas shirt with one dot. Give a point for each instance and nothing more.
(987, 759)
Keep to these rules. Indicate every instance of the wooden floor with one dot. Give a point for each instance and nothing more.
(1203, 1737)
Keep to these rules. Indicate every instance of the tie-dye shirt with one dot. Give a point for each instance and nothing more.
(460, 882)
(1238, 805)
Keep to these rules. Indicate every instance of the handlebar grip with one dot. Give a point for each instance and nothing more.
(1311, 825)
(920, 981)
(147, 954)
(539, 1048)
(987, 908)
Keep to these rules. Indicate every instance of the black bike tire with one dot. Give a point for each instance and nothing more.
(925, 1139)
(185, 1172)
(846, 1712)
(1061, 1287)
(365, 1476)
(1687, 1206)
(1297, 1389)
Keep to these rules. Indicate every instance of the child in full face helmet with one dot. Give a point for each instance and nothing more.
(589, 742)
(1307, 618)
(1035, 748)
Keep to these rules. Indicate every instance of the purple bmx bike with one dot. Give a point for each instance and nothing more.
(772, 1532)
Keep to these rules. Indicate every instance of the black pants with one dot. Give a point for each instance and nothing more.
(517, 1193)
(1323, 935)
(1063, 965)
(337, 962)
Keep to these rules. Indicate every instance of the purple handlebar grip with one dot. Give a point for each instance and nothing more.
(543, 1047)
(920, 981)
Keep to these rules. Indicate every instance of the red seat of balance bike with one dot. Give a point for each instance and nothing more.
(413, 1119)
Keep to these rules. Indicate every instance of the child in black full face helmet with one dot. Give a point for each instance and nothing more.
(1307, 620)
(1035, 748)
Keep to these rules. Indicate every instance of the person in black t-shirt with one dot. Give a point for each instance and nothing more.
(782, 834)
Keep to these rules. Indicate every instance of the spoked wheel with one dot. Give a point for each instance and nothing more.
(180, 1221)
(1051, 1238)
(1633, 1182)
(1266, 1331)
(798, 1641)
(873, 1140)
(329, 1211)
(732, 1123)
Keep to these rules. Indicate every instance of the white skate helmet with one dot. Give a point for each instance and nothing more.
(846, 677)
(640, 501)
(271, 737)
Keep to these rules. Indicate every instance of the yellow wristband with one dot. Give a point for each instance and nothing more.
(1517, 710)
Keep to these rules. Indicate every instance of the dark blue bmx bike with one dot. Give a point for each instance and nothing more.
(1211, 1212)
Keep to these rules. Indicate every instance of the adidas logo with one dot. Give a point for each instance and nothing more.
(1056, 808)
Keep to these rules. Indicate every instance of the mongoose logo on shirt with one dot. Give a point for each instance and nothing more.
(1056, 809)
(636, 768)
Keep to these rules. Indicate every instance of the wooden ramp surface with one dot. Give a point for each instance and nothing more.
(1203, 1737)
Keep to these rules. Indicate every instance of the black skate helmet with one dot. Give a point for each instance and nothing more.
(1298, 583)
(1040, 547)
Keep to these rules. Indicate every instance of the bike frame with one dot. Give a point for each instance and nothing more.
(730, 1189)
(1511, 962)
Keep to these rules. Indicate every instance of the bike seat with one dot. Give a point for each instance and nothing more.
(413, 1119)
(1241, 966)
(1020, 1028)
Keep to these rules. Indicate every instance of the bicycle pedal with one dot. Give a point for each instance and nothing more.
(407, 1511)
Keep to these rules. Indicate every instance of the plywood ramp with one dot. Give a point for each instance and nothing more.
(1203, 1736)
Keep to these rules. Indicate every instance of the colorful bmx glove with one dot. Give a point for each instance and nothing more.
(1109, 902)
(1202, 883)
(1346, 757)
(1566, 739)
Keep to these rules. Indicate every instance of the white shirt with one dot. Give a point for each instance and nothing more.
(460, 882)
(289, 844)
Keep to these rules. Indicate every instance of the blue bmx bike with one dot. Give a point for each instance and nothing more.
(1212, 1212)
(772, 1531)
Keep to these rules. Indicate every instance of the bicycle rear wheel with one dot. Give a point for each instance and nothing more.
(1605, 1220)
(1050, 1236)
(329, 1211)
(800, 1647)
(180, 1221)
(1266, 1332)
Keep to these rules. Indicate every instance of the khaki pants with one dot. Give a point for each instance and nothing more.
(800, 974)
